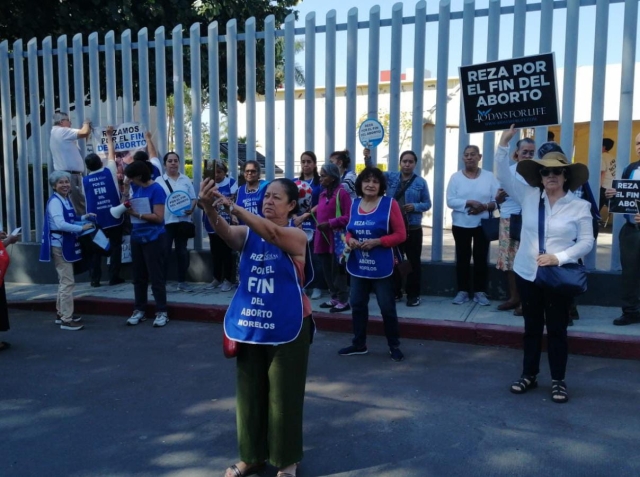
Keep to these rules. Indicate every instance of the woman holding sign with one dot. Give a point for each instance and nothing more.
(181, 201)
(556, 230)
(148, 252)
(274, 333)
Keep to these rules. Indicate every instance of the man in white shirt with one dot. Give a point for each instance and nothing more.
(67, 157)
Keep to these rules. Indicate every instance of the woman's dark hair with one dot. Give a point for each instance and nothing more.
(409, 153)
(371, 172)
(138, 169)
(140, 156)
(342, 156)
(471, 146)
(93, 162)
(166, 156)
(316, 176)
(291, 189)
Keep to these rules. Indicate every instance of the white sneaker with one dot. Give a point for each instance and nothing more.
(226, 286)
(161, 319)
(213, 285)
(461, 298)
(316, 294)
(136, 318)
(481, 299)
(184, 287)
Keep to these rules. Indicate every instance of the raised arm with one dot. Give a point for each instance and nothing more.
(85, 131)
(289, 239)
(507, 180)
(151, 148)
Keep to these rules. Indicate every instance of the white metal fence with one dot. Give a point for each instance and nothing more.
(29, 122)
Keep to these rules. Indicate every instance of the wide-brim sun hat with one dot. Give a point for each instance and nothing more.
(529, 169)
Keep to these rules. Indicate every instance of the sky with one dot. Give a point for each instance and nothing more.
(585, 40)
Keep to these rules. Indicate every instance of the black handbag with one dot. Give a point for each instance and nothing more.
(515, 226)
(491, 227)
(569, 279)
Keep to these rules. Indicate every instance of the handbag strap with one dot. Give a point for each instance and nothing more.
(338, 209)
(541, 226)
(400, 192)
(168, 185)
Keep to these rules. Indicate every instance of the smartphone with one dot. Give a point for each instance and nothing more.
(209, 172)
(17, 231)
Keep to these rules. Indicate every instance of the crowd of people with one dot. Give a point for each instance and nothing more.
(328, 228)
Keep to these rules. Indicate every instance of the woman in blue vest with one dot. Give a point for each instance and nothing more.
(221, 255)
(274, 334)
(102, 192)
(375, 227)
(148, 251)
(59, 238)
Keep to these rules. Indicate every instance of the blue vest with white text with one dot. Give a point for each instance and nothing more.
(71, 251)
(252, 201)
(267, 306)
(101, 194)
(377, 262)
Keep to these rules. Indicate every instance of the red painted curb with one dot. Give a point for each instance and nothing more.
(590, 344)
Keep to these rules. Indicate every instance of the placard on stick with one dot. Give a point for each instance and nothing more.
(520, 91)
(371, 133)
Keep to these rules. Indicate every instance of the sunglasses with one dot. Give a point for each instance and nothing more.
(250, 171)
(556, 171)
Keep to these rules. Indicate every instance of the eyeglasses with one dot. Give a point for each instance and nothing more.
(323, 175)
(250, 171)
(556, 171)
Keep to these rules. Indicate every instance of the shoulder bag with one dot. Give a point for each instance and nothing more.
(491, 227)
(569, 279)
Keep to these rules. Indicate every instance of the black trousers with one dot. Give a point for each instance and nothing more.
(540, 307)
(630, 259)
(148, 266)
(471, 242)
(412, 249)
(222, 259)
(114, 234)
(172, 233)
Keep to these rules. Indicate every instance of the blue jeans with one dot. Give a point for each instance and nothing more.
(359, 299)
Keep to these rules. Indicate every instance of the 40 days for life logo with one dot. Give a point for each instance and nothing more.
(519, 91)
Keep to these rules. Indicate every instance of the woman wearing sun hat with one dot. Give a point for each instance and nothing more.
(568, 237)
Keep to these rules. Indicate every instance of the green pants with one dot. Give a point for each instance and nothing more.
(270, 384)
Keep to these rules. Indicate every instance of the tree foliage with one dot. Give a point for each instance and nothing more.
(27, 19)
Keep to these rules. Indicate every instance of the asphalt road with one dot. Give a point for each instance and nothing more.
(138, 401)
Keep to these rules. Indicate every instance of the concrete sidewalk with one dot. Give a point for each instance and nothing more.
(435, 319)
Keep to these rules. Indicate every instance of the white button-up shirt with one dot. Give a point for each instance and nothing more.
(568, 227)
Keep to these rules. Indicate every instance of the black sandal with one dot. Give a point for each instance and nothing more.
(523, 384)
(559, 392)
